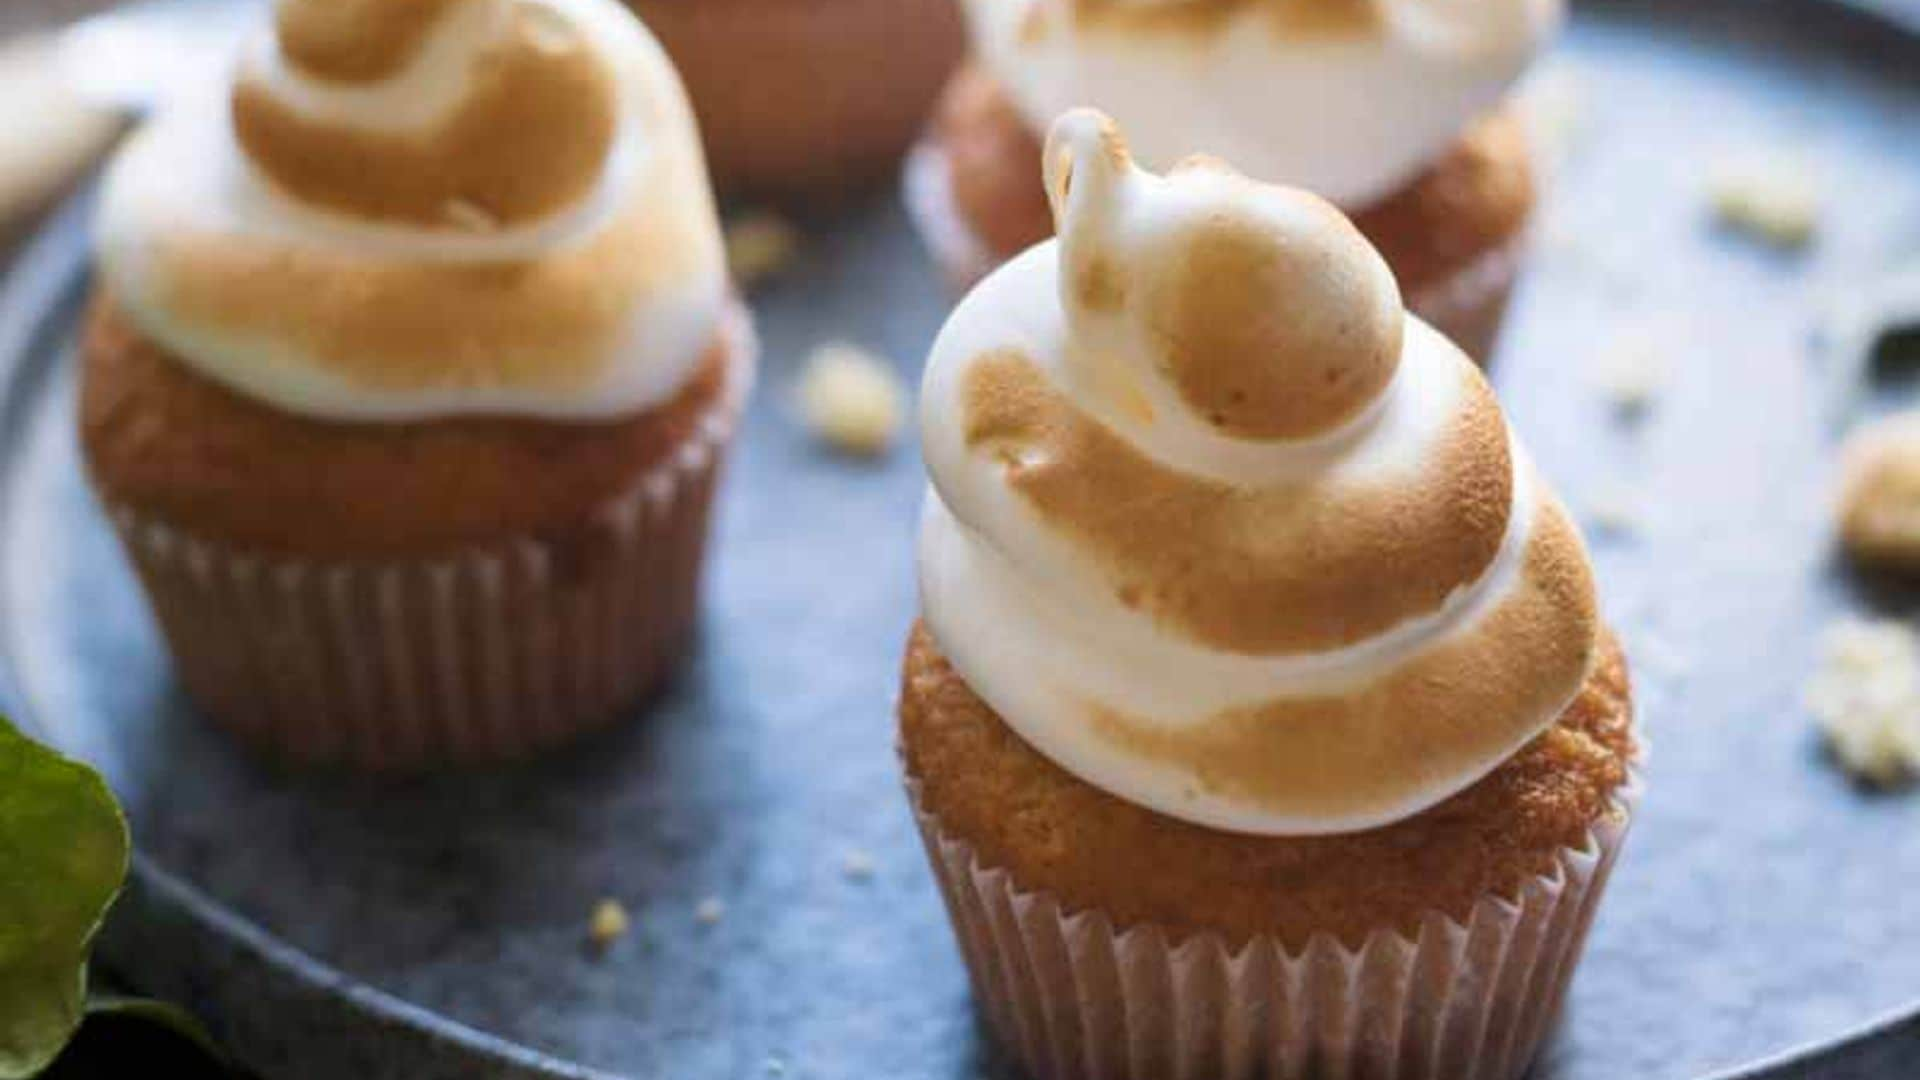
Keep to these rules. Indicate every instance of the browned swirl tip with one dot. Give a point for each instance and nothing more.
(529, 127)
(1271, 314)
(1262, 305)
(355, 41)
(1086, 159)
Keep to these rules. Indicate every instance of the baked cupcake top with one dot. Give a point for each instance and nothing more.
(397, 210)
(1220, 528)
(1347, 98)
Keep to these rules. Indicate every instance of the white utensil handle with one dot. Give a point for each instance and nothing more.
(51, 137)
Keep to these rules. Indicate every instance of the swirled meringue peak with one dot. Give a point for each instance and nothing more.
(1222, 530)
(1348, 98)
(408, 209)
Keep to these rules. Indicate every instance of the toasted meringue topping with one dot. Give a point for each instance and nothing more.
(527, 131)
(1220, 528)
(356, 41)
(417, 208)
(1348, 98)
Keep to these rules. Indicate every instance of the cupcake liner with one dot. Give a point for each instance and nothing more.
(483, 654)
(1469, 306)
(1068, 994)
(802, 99)
(927, 191)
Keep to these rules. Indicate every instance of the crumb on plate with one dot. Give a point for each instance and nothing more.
(1773, 198)
(1614, 511)
(858, 865)
(710, 911)
(1880, 493)
(1631, 368)
(759, 245)
(852, 400)
(608, 924)
(1866, 696)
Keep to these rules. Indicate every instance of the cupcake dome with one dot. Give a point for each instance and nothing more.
(1350, 99)
(1290, 571)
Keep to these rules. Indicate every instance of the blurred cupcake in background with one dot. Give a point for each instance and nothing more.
(1396, 110)
(410, 372)
(808, 100)
(1261, 721)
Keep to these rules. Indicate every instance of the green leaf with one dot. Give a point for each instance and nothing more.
(63, 856)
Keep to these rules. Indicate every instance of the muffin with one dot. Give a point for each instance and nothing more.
(1261, 720)
(1397, 113)
(409, 375)
(808, 100)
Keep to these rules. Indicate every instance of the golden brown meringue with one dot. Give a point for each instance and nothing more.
(356, 41)
(1286, 566)
(533, 130)
(1351, 99)
(416, 208)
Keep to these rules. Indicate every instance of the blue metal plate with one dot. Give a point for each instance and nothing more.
(330, 927)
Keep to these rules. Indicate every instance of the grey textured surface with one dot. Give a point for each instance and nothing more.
(1763, 901)
(23, 15)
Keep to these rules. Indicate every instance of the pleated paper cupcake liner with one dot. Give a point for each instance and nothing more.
(1470, 306)
(807, 98)
(927, 191)
(481, 655)
(1069, 995)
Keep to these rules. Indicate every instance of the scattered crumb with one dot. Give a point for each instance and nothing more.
(759, 245)
(1631, 368)
(1773, 198)
(852, 399)
(1615, 511)
(1866, 696)
(710, 911)
(1880, 493)
(608, 924)
(776, 1067)
(858, 866)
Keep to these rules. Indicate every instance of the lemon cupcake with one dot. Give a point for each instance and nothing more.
(808, 100)
(1395, 111)
(1261, 721)
(409, 375)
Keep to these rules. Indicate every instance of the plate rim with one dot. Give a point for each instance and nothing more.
(47, 275)
(45, 279)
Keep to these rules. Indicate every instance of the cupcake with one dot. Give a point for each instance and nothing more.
(808, 99)
(1395, 111)
(1260, 720)
(410, 371)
